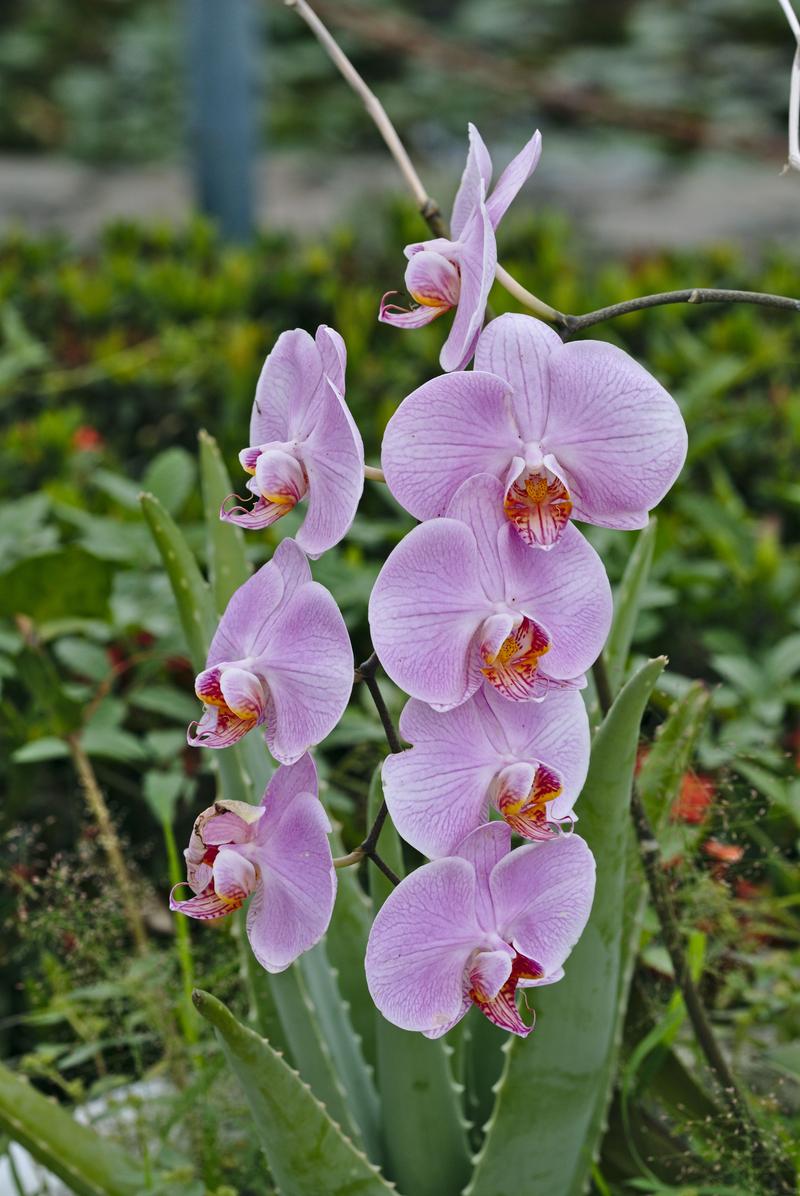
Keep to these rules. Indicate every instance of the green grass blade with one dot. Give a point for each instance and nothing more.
(227, 559)
(551, 1103)
(306, 1151)
(87, 1163)
(423, 1123)
(627, 603)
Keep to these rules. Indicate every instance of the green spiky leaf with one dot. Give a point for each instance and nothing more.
(227, 559)
(306, 1150)
(627, 604)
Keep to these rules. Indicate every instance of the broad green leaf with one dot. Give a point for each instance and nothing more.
(306, 1151)
(170, 477)
(192, 595)
(309, 1046)
(67, 583)
(346, 944)
(337, 1031)
(556, 1085)
(671, 753)
(227, 560)
(38, 750)
(627, 603)
(423, 1124)
(88, 1164)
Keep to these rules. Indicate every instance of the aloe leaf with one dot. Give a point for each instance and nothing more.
(423, 1124)
(552, 1099)
(306, 1151)
(345, 1048)
(627, 603)
(671, 753)
(89, 1164)
(346, 945)
(309, 1048)
(227, 559)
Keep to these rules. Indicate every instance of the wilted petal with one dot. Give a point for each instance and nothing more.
(419, 946)
(474, 182)
(309, 666)
(615, 431)
(477, 262)
(518, 349)
(511, 180)
(424, 610)
(432, 280)
(448, 430)
(542, 895)
(292, 906)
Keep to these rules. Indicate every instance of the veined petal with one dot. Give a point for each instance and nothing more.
(308, 665)
(448, 430)
(514, 668)
(483, 848)
(287, 389)
(247, 622)
(474, 182)
(432, 280)
(400, 317)
(334, 462)
(234, 877)
(477, 262)
(218, 728)
(333, 353)
(511, 180)
(419, 946)
(523, 793)
(424, 610)
(280, 478)
(203, 906)
(542, 895)
(243, 693)
(538, 505)
(208, 687)
(614, 430)
(292, 905)
(502, 1007)
(488, 972)
(260, 514)
(518, 349)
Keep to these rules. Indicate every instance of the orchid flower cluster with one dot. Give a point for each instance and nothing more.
(488, 615)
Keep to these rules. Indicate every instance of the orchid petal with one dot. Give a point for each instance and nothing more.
(542, 895)
(424, 610)
(243, 693)
(204, 906)
(511, 180)
(419, 946)
(333, 354)
(484, 848)
(448, 430)
(334, 461)
(614, 430)
(474, 182)
(489, 972)
(432, 280)
(519, 349)
(234, 877)
(415, 317)
(477, 262)
(218, 728)
(287, 390)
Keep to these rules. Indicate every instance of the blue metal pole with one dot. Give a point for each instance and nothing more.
(221, 37)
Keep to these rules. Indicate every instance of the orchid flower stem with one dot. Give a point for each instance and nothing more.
(650, 855)
(525, 297)
(368, 848)
(109, 841)
(573, 324)
(375, 474)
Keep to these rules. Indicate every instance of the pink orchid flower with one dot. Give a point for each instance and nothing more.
(461, 601)
(459, 273)
(277, 851)
(475, 927)
(578, 430)
(303, 442)
(281, 658)
(528, 760)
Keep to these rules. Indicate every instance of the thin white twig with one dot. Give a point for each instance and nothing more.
(398, 151)
(794, 88)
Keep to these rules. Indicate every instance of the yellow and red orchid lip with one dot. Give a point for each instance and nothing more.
(539, 506)
(526, 811)
(513, 669)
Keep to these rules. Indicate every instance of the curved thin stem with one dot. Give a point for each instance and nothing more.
(525, 297)
(573, 324)
(375, 474)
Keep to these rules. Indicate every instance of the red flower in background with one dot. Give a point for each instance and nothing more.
(692, 803)
(87, 439)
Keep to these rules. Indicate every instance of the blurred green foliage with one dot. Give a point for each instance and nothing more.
(110, 362)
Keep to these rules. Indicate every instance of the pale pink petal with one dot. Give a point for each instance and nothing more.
(478, 504)
(285, 784)
(287, 389)
(280, 477)
(236, 822)
(542, 895)
(617, 435)
(204, 906)
(448, 430)
(518, 349)
(308, 665)
(400, 317)
(474, 182)
(565, 590)
(218, 728)
(484, 847)
(511, 180)
(489, 971)
(243, 693)
(437, 790)
(432, 280)
(334, 460)
(234, 876)
(291, 908)
(424, 610)
(333, 355)
(255, 517)
(419, 945)
(477, 261)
